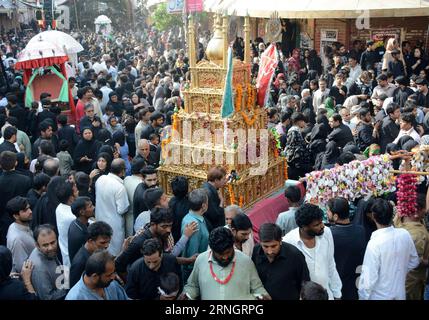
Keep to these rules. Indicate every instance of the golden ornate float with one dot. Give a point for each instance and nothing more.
(202, 110)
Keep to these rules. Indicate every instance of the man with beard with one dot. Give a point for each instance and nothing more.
(150, 181)
(222, 273)
(281, 266)
(47, 277)
(12, 184)
(161, 222)
(46, 133)
(241, 228)
(143, 280)
(318, 248)
(423, 94)
(20, 239)
(349, 243)
(98, 281)
(98, 238)
(216, 180)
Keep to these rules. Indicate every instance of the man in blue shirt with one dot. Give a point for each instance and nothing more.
(98, 282)
(198, 242)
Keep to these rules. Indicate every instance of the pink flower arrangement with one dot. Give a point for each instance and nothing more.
(352, 181)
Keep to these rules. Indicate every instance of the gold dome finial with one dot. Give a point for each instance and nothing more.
(214, 49)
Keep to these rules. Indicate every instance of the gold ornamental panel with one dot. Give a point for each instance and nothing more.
(199, 104)
(210, 80)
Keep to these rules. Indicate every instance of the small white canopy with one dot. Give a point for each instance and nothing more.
(307, 9)
(102, 20)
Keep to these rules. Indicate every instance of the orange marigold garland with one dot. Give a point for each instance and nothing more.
(250, 97)
(231, 194)
(248, 121)
(241, 202)
(165, 142)
(238, 97)
(285, 168)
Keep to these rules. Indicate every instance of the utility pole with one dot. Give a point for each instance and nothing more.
(76, 15)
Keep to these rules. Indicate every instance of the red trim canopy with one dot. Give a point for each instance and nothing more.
(39, 63)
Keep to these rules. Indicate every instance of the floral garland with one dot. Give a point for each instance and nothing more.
(168, 139)
(241, 202)
(278, 145)
(250, 97)
(238, 101)
(231, 194)
(248, 121)
(238, 97)
(215, 277)
(285, 168)
(351, 181)
(420, 161)
(407, 195)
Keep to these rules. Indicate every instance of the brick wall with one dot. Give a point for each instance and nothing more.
(338, 24)
(415, 28)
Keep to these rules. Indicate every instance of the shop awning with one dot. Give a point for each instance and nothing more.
(307, 9)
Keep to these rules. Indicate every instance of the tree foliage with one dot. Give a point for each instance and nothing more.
(165, 21)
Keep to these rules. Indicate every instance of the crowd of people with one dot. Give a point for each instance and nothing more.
(82, 215)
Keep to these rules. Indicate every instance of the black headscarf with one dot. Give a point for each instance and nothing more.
(402, 140)
(119, 137)
(5, 263)
(87, 148)
(331, 155)
(117, 106)
(360, 218)
(105, 137)
(409, 145)
(106, 156)
(44, 211)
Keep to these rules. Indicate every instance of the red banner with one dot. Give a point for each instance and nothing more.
(194, 5)
(267, 66)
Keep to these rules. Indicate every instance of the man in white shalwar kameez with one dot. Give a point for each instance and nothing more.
(112, 203)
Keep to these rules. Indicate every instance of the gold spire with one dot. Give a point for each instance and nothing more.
(215, 46)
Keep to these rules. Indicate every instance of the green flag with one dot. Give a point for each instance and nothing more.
(227, 101)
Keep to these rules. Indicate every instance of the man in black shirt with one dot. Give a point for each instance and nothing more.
(9, 136)
(46, 133)
(281, 266)
(144, 275)
(365, 130)
(12, 184)
(90, 120)
(341, 133)
(83, 209)
(156, 122)
(99, 235)
(150, 180)
(15, 110)
(389, 129)
(423, 94)
(349, 246)
(161, 222)
(47, 115)
(215, 215)
(143, 152)
(369, 57)
(402, 92)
